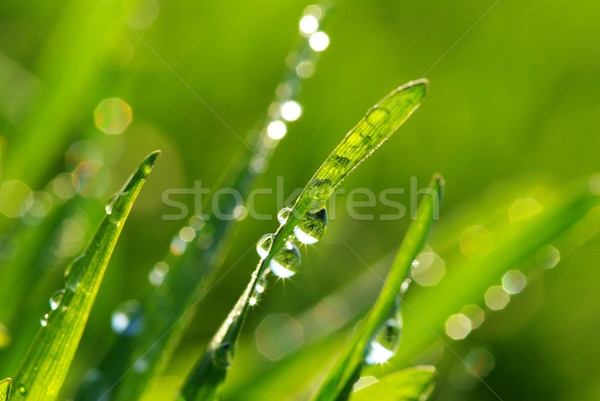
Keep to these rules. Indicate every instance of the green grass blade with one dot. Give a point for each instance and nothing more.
(192, 273)
(380, 122)
(350, 363)
(5, 389)
(412, 384)
(45, 367)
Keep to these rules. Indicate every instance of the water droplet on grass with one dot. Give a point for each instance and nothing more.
(56, 299)
(109, 205)
(74, 272)
(263, 246)
(127, 319)
(22, 389)
(385, 343)
(287, 261)
(223, 355)
(283, 215)
(312, 228)
(44, 320)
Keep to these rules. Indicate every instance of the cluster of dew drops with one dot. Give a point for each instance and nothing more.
(286, 262)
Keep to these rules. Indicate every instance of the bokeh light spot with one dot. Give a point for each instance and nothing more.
(514, 281)
(112, 116)
(278, 336)
(429, 269)
(318, 41)
(308, 25)
(548, 257)
(458, 326)
(291, 110)
(523, 209)
(475, 314)
(496, 298)
(15, 198)
(276, 130)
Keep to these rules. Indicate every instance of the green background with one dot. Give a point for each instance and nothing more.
(517, 96)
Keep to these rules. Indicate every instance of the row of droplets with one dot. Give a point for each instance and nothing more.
(309, 230)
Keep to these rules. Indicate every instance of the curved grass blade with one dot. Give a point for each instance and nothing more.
(341, 378)
(5, 389)
(47, 362)
(412, 384)
(381, 121)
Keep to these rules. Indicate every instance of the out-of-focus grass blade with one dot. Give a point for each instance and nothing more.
(565, 223)
(5, 389)
(45, 367)
(350, 363)
(372, 130)
(412, 384)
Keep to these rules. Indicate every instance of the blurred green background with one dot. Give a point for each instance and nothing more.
(518, 96)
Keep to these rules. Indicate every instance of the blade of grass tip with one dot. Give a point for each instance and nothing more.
(412, 384)
(193, 272)
(282, 255)
(341, 378)
(5, 389)
(47, 362)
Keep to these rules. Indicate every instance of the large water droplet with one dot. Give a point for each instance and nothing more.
(44, 320)
(312, 228)
(287, 261)
(127, 319)
(56, 299)
(283, 215)
(263, 246)
(74, 272)
(385, 343)
(223, 356)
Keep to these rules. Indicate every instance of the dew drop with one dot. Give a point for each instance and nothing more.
(127, 319)
(44, 320)
(74, 272)
(22, 389)
(223, 356)
(263, 246)
(283, 215)
(287, 261)
(259, 289)
(385, 343)
(377, 116)
(312, 228)
(56, 299)
(109, 205)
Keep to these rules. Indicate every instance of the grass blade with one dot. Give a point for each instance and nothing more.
(192, 273)
(380, 123)
(348, 366)
(5, 389)
(45, 367)
(412, 384)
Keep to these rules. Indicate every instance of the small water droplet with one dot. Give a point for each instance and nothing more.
(287, 261)
(385, 343)
(22, 389)
(259, 289)
(404, 287)
(283, 215)
(127, 319)
(415, 263)
(263, 246)
(44, 320)
(74, 272)
(377, 116)
(56, 299)
(312, 228)
(109, 205)
(223, 356)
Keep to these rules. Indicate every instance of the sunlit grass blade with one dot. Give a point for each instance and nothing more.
(5, 389)
(381, 121)
(412, 384)
(47, 362)
(349, 364)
